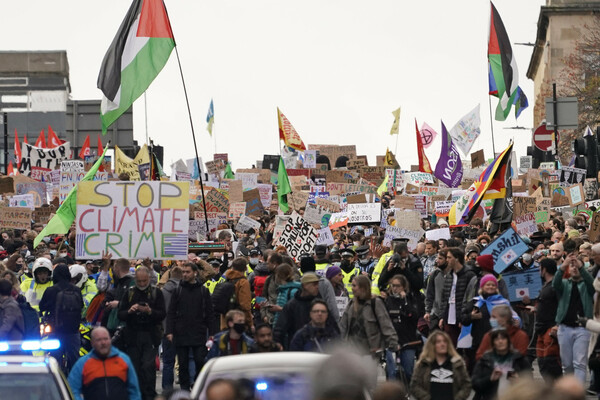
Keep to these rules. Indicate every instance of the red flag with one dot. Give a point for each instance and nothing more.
(41, 140)
(424, 165)
(100, 148)
(85, 149)
(10, 171)
(25, 139)
(53, 140)
(17, 149)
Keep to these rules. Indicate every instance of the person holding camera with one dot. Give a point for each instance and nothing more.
(402, 263)
(142, 308)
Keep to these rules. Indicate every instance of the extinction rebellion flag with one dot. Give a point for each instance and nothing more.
(136, 56)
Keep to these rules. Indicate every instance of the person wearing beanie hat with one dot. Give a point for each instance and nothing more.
(335, 275)
(477, 313)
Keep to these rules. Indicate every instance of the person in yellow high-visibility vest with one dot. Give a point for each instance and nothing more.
(349, 270)
(381, 264)
(217, 278)
(321, 261)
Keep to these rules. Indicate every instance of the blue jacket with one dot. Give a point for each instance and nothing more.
(113, 378)
(221, 348)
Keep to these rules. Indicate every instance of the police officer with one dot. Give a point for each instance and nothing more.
(364, 261)
(349, 269)
(217, 278)
(381, 264)
(321, 262)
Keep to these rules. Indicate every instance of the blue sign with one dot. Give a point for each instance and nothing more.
(505, 249)
(523, 283)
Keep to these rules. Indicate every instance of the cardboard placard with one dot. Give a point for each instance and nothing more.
(575, 195)
(594, 231)
(236, 191)
(7, 185)
(356, 199)
(16, 217)
(523, 205)
(253, 203)
(405, 202)
(477, 159)
(298, 200)
(42, 214)
(236, 210)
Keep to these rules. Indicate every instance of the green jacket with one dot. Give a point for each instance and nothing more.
(562, 287)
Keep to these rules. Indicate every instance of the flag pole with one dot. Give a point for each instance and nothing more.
(492, 126)
(396, 148)
(187, 102)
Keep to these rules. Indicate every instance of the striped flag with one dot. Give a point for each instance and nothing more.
(136, 56)
(210, 117)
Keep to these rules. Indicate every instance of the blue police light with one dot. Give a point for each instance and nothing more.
(4, 346)
(50, 344)
(30, 345)
(261, 386)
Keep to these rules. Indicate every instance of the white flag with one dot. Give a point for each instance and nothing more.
(466, 131)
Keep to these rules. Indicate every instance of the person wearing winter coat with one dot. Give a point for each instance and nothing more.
(168, 348)
(316, 335)
(11, 317)
(284, 274)
(366, 323)
(403, 309)
(499, 367)
(440, 373)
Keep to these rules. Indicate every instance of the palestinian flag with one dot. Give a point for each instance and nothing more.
(502, 69)
(135, 57)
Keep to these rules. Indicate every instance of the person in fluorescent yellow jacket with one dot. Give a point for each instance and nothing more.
(381, 264)
(79, 278)
(34, 288)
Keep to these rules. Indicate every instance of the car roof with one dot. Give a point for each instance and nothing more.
(24, 364)
(267, 361)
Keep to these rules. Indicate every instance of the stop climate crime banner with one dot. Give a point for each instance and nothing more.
(132, 220)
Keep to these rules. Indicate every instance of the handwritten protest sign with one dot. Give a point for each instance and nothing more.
(594, 231)
(237, 209)
(245, 223)
(299, 200)
(364, 212)
(37, 190)
(298, 236)
(436, 234)
(266, 194)
(575, 194)
(523, 283)
(132, 219)
(523, 205)
(413, 236)
(310, 159)
(253, 203)
(249, 180)
(325, 237)
(338, 219)
(316, 215)
(505, 249)
(15, 217)
(22, 200)
(42, 214)
(526, 224)
(32, 156)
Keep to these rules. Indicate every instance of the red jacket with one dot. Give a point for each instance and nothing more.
(518, 339)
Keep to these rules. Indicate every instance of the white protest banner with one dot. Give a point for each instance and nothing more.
(266, 194)
(437, 234)
(22, 200)
(32, 156)
(364, 212)
(325, 237)
(298, 236)
(280, 222)
(197, 230)
(393, 232)
(132, 220)
(245, 223)
(526, 224)
(421, 204)
(442, 208)
(466, 130)
(249, 180)
(418, 178)
(526, 162)
(71, 173)
(396, 179)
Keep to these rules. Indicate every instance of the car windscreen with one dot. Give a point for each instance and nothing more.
(16, 386)
(273, 386)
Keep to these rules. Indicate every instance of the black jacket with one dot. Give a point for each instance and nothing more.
(463, 278)
(295, 314)
(479, 327)
(190, 315)
(138, 322)
(404, 314)
(482, 372)
(61, 277)
(413, 272)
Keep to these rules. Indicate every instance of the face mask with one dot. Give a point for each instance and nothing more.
(337, 263)
(239, 328)
(62, 255)
(254, 261)
(483, 244)
(586, 264)
(363, 261)
(25, 253)
(527, 257)
(53, 253)
(345, 263)
(494, 323)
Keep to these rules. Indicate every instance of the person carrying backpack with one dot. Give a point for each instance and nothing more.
(234, 293)
(62, 306)
(11, 318)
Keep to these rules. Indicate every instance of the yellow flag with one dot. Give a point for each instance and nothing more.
(383, 187)
(125, 164)
(396, 124)
(390, 160)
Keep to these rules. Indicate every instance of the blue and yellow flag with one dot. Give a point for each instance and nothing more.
(492, 178)
(210, 117)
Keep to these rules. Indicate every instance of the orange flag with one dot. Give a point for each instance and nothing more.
(85, 149)
(41, 140)
(424, 165)
(25, 139)
(53, 140)
(17, 149)
(288, 134)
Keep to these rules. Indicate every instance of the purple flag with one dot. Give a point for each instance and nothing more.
(449, 167)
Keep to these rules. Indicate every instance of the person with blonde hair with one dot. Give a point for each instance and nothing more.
(440, 373)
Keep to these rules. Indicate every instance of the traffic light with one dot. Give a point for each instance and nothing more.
(586, 155)
(539, 156)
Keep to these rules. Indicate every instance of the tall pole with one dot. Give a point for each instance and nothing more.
(146, 117)
(555, 110)
(492, 126)
(5, 122)
(194, 140)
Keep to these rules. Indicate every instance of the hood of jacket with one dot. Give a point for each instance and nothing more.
(261, 269)
(233, 274)
(61, 274)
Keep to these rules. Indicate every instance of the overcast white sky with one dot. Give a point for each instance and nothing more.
(336, 68)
